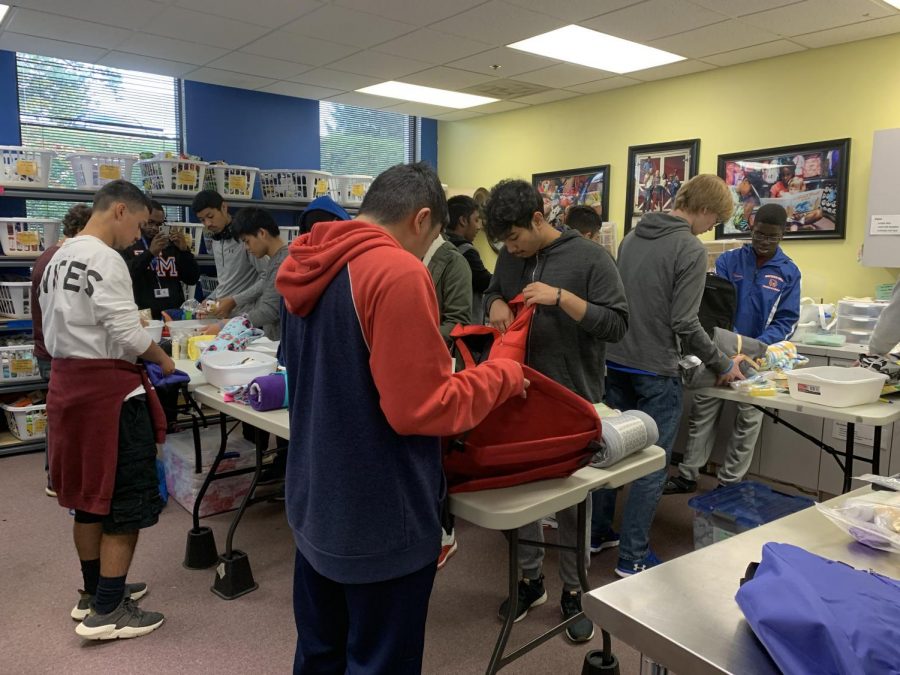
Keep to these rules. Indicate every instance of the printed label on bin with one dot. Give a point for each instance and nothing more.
(187, 177)
(22, 366)
(321, 187)
(40, 425)
(358, 190)
(28, 238)
(26, 168)
(813, 389)
(109, 172)
(237, 183)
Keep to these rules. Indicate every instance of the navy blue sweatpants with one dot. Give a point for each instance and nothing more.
(360, 628)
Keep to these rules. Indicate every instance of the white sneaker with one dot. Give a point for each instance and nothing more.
(448, 547)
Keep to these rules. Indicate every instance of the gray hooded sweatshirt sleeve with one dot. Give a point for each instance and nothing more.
(663, 267)
(887, 330)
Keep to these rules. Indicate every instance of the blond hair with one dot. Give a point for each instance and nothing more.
(705, 191)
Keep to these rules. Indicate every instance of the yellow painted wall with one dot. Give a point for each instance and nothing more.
(844, 91)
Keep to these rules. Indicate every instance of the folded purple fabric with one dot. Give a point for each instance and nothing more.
(157, 379)
(268, 392)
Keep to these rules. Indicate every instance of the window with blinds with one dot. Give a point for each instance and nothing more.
(73, 107)
(362, 141)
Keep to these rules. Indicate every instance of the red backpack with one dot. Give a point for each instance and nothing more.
(549, 434)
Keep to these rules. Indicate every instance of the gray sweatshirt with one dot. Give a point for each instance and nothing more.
(265, 311)
(663, 267)
(887, 331)
(237, 270)
(570, 352)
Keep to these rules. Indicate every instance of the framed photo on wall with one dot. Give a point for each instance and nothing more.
(655, 174)
(809, 181)
(588, 186)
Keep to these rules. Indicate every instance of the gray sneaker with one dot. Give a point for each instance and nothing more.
(83, 608)
(125, 621)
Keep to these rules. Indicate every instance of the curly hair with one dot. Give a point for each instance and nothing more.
(75, 220)
(512, 203)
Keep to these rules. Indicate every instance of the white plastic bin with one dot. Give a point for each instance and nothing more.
(28, 237)
(15, 299)
(857, 323)
(835, 386)
(193, 232)
(227, 368)
(28, 422)
(291, 185)
(860, 308)
(25, 167)
(18, 364)
(231, 181)
(856, 337)
(289, 232)
(351, 188)
(208, 284)
(155, 329)
(94, 170)
(174, 177)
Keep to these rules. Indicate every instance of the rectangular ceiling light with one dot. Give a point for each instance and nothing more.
(590, 48)
(414, 92)
(3, 10)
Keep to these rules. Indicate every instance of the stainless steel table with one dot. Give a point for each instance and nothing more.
(683, 615)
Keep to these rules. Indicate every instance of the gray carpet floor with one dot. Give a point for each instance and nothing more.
(255, 633)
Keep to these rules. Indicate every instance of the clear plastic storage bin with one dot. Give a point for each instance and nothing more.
(94, 170)
(28, 237)
(25, 167)
(865, 324)
(847, 308)
(731, 510)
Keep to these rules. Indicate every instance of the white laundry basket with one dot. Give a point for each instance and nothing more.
(351, 188)
(291, 185)
(173, 177)
(28, 422)
(835, 386)
(193, 232)
(231, 181)
(18, 364)
(25, 167)
(15, 299)
(28, 237)
(94, 170)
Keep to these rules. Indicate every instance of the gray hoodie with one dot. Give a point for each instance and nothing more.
(887, 330)
(570, 352)
(663, 267)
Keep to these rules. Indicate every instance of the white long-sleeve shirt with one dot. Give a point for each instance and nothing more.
(88, 305)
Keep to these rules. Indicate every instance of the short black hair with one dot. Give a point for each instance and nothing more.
(120, 191)
(460, 206)
(512, 203)
(402, 191)
(75, 219)
(207, 199)
(584, 219)
(250, 220)
(156, 206)
(771, 214)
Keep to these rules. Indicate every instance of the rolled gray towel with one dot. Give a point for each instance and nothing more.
(624, 435)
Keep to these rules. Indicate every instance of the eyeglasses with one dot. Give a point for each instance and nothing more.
(767, 238)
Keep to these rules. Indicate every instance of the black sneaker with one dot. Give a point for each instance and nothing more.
(570, 604)
(83, 608)
(677, 485)
(531, 594)
(125, 621)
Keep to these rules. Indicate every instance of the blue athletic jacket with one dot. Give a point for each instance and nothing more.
(768, 298)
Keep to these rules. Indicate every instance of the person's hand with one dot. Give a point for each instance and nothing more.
(539, 293)
(524, 393)
(160, 241)
(734, 374)
(167, 365)
(212, 329)
(179, 240)
(501, 315)
(225, 308)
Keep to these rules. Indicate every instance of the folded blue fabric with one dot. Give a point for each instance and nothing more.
(157, 379)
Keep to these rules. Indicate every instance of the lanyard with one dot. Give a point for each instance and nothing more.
(155, 259)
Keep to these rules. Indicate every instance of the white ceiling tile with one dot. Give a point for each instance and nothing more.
(815, 15)
(348, 27)
(145, 64)
(604, 85)
(498, 22)
(292, 47)
(563, 75)
(459, 115)
(419, 109)
(433, 47)
(671, 70)
(168, 48)
(28, 44)
(250, 64)
(300, 90)
(720, 37)
(335, 79)
(271, 13)
(418, 12)
(765, 51)
(55, 27)
(512, 62)
(376, 64)
(363, 100)
(122, 13)
(228, 79)
(858, 31)
(206, 29)
(736, 8)
(447, 78)
(498, 107)
(548, 96)
(654, 19)
(574, 11)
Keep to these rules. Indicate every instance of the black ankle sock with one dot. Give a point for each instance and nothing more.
(90, 572)
(110, 591)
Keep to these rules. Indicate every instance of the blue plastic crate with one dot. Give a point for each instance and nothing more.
(730, 510)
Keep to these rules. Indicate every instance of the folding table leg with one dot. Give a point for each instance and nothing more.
(848, 458)
(496, 661)
(876, 452)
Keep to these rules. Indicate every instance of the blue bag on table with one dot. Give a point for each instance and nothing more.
(822, 617)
